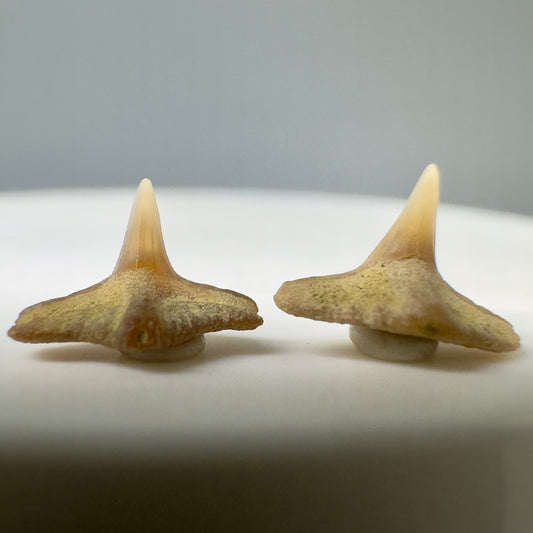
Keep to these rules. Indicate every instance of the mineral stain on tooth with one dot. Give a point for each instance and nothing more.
(144, 309)
(396, 302)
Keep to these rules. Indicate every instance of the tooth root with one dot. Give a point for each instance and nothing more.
(413, 232)
(143, 245)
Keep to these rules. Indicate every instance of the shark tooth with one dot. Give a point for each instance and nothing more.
(397, 304)
(144, 309)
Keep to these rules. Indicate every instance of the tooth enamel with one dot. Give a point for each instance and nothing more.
(413, 232)
(143, 243)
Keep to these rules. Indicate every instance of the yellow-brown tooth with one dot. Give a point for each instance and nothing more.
(144, 309)
(399, 291)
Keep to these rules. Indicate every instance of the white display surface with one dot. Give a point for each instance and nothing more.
(285, 428)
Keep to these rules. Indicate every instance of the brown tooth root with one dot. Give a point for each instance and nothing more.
(144, 309)
(397, 303)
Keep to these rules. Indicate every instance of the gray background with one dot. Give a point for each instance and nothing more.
(336, 95)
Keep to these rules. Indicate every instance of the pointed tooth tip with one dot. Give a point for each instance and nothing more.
(431, 172)
(146, 185)
(145, 191)
(427, 186)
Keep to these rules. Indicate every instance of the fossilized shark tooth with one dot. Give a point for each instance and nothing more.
(144, 309)
(396, 302)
